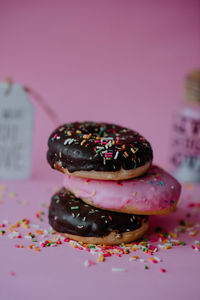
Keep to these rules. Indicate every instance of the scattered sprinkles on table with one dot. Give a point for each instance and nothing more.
(30, 235)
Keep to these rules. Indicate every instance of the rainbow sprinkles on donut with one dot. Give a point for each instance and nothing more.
(99, 151)
(110, 184)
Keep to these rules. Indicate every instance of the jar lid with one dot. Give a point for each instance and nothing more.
(192, 86)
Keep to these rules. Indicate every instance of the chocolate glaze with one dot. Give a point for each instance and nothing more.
(104, 147)
(68, 214)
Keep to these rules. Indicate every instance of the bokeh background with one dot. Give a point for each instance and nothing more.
(119, 61)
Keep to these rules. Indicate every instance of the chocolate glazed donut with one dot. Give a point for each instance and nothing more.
(99, 151)
(80, 221)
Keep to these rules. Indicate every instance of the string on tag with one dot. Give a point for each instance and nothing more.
(47, 109)
(40, 100)
(9, 82)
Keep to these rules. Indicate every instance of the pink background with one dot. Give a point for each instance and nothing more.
(116, 61)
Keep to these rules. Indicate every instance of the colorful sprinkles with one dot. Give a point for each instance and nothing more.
(31, 236)
(43, 238)
(114, 145)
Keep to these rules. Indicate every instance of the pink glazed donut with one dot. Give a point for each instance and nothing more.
(155, 193)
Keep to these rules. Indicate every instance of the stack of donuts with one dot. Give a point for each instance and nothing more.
(110, 185)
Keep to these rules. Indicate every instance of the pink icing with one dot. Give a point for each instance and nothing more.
(156, 190)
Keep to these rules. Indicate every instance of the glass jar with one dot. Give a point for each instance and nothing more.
(185, 142)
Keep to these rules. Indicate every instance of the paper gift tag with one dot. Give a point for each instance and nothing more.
(16, 131)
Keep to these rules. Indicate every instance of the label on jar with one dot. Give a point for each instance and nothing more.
(185, 146)
(16, 131)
